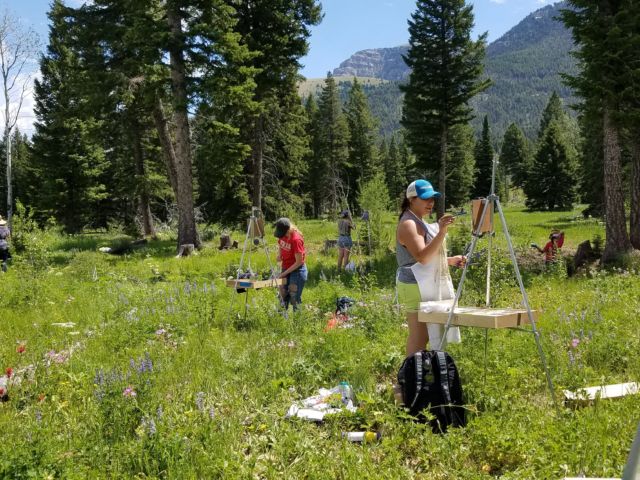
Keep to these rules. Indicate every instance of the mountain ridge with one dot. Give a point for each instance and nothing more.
(524, 64)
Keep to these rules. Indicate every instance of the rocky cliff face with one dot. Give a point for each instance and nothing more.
(385, 63)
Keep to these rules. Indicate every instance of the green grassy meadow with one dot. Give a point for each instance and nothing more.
(210, 401)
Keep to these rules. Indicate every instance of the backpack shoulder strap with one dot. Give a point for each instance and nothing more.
(444, 376)
(417, 358)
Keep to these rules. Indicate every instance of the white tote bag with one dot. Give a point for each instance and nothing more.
(435, 284)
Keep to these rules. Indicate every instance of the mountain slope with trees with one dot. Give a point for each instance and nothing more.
(524, 64)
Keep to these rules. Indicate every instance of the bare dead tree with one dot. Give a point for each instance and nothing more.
(19, 50)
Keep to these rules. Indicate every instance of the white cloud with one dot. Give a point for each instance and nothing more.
(498, 1)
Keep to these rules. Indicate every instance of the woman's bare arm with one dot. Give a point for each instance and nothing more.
(411, 236)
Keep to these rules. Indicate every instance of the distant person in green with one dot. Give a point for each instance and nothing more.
(552, 248)
(345, 243)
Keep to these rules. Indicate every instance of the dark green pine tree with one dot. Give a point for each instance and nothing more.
(408, 161)
(598, 26)
(516, 155)
(553, 180)
(288, 149)
(552, 111)
(333, 142)
(277, 31)
(383, 152)
(447, 67)
(66, 148)
(484, 154)
(460, 157)
(395, 173)
(363, 135)
(316, 178)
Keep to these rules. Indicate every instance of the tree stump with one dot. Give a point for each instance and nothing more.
(225, 242)
(330, 244)
(584, 254)
(186, 250)
(235, 244)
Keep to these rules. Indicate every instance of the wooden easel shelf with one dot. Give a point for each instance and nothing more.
(248, 284)
(479, 317)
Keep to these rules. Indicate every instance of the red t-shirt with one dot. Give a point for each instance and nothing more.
(552, 249)
(289, 247)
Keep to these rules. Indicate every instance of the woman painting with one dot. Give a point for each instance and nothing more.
(5, 234)
(292, 256)
(423, 273)
(345, 225)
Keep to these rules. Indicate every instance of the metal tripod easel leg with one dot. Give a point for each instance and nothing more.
(253, 226)
(494, 200)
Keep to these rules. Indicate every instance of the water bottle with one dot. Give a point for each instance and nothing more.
(344, 391)
(361, 436)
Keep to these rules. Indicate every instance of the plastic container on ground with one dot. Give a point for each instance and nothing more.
(361, 436)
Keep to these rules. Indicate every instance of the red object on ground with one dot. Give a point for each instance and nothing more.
(1, 391)
(21, 349)
(41, 397)
(9, 372)
(331, 324)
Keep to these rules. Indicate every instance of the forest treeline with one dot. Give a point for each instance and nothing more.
(152, 113)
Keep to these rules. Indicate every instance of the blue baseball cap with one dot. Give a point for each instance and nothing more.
(422, 189)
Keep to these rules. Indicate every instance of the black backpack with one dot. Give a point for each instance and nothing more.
(430, 381)
(343, 304)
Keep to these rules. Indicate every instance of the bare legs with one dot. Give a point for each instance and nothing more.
(343, 253)
(418, 334)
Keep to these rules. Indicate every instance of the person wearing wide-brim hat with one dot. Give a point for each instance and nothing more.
(294, 270)
(345, 243)
(5, 234)
(423, 266)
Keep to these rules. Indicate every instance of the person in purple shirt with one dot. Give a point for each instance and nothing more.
(5, 234)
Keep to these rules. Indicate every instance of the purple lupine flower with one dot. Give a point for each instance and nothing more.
(159, 413)
(571, 359)
(195, 286)
(159, 367)
(581, 333)
(211, 412)
(143, 422)
(187, 288)
(171, 299)
(286, 317)
(173, 309)
(38, 416)
(141, 367)
(213, 288)
(132, 364)
(590, 335)
(584, 314)
(199, 401)
(121, 377)
(152, 427)
(168, 309)
(571, 334)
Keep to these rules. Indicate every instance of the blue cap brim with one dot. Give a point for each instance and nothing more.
(427, 196)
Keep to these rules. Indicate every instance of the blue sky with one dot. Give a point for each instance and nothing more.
(348, 26)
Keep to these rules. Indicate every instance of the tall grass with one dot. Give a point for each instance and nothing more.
(218, 397)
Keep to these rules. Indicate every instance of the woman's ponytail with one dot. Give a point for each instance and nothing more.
(406, 204)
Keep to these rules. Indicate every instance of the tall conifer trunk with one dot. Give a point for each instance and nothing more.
(187, 231)
(616, 225)
(635, 192)
(442, 177)
(257, 162)
(166, 144)
(145, 209)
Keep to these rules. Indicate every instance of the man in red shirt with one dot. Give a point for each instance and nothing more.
(292, 256)
(552, 248)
